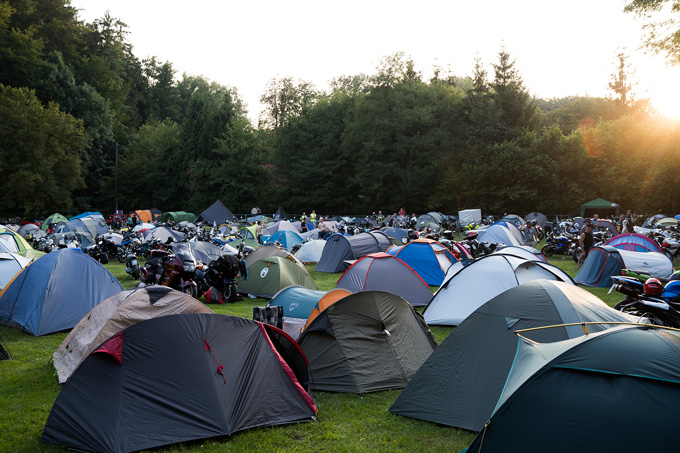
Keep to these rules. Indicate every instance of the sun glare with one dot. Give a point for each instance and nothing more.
(664, 93)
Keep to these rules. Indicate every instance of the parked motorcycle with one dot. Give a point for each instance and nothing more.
(217, 281)
(132, 266)
(176, 270)
(563, 244)
(659, 303)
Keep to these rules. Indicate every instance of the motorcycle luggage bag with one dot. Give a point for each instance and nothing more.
(272, 315)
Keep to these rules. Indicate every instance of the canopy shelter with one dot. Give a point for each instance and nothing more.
(366, 342)
(339, 249)
(576, 394)
(217, 213)
(384, 272)
(114, 314)
(55, 292)
(601, 207)
(179, 378)
(470, 287)
(461, 381)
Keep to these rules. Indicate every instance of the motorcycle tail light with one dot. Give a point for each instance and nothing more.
(665, 244)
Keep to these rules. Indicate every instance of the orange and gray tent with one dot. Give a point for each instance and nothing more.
(461, 381)
(366, 342)
(326, 301)
(113, 315)
(144, 216)
(339, 249)
(383, 272)
(180, 378)
(582, 394)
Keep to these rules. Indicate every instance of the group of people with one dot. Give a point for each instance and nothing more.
(586, 238)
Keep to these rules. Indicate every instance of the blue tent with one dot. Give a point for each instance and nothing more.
(88, 214)
(55, 292)
(600, 264)
(297, 301)
(428, 258)
(286, 238)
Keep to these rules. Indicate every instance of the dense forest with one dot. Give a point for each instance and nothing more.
(74, 99)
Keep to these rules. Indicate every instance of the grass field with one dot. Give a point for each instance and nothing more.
(346, 422)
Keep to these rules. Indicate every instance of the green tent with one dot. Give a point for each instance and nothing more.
(178, 216)
(54, 218)
(268, 276)
(366, 342)
(249, 238)
(601, 207)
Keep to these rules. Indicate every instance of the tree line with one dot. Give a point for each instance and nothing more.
(71, 93)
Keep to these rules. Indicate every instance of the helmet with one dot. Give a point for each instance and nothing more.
(472, 234)
(653, 287)
(672, 290)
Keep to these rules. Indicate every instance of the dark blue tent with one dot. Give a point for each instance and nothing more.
(600, 264)
(217, 213)
(339, 249)
(55, 292)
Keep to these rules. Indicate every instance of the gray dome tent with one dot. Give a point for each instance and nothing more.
(339, 249)
(180, 378)
(366, 342)
(461, 381)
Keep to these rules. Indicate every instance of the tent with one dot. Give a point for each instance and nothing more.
(399, 234)
(248, 236)
(469, 216)
(114, 314)
(144, 216)
(513, 219)
(539, 217)
(501, 233)
(311, 251)
(577, 394)
(608, 226)
(204, 251)
(297, 301)
(88, 226)
(93, 215)
(217, 213)
(54, 218)
(326, 301)
(634, 242)
(286, 238)
(384, 272)
(222, 374)
(31, 231)
(162, 234)
(604, 261)
(280, 214)
(273, 250)
(651, 221)
(472, 286)
(432, 220)
(55, 292)
(599, 206)
(178, 216)
(10, 265)
(427, 257)
(267, 276)
(280, 225)
(366, 342)
(461, 381)
(339, 249)
(11, 241)
(522, 251)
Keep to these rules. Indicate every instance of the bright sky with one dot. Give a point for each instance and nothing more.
(560, 48)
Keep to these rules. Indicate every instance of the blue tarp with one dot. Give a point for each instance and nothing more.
(55, 292)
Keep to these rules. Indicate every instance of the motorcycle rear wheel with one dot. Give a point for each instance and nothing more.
(230, 293)
(576, 254)
(121, 255)
(135, 273)
(547, 251)
(191, 290)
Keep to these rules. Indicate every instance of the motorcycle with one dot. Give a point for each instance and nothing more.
(132, 266)
(476, 247)
(564, 244)
(658, 303)
(599, 238)
(217, 281)
(176, 270)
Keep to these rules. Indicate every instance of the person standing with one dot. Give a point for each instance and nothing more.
(312, 218)
(586, 241)
(258, 231)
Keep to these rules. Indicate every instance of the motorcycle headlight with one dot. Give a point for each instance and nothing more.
(189, 267)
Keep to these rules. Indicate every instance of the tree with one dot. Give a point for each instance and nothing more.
(662, 26)
(284, 99)
(40, 149)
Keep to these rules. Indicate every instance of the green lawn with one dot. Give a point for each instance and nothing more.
(346, 422)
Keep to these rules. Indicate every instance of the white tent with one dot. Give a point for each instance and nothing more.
(500, 233)
(311, 251)
(653, 263)
(467, 288)
(10, 265)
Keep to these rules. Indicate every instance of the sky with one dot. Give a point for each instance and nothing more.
(560, 48)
